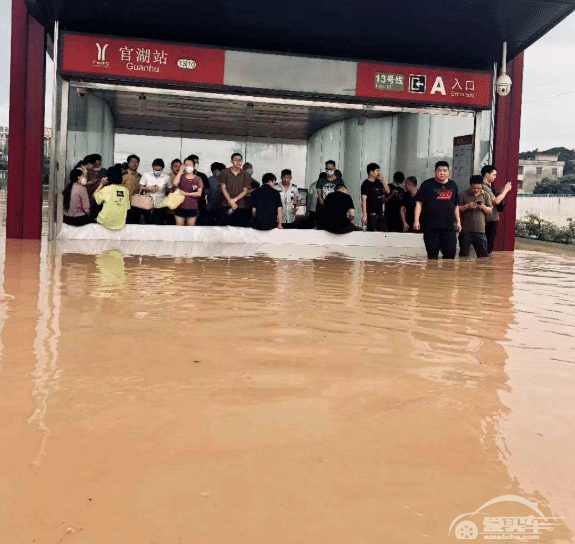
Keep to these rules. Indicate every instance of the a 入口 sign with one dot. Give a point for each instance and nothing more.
(127, 58)
(440, 86)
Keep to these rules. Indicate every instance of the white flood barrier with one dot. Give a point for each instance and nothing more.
(557, 209)
(242, 236)
(233, 242)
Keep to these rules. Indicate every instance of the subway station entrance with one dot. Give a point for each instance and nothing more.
(116, 97)
(166, 393)
(276, 52)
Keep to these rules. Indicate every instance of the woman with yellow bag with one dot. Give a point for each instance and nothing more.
(190, 187)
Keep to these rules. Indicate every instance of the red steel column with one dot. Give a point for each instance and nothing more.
(506, 151)
(26, 136)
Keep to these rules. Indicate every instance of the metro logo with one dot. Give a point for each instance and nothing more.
(102, 51)
(101, 62)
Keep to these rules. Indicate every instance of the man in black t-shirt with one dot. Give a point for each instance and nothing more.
(372, 191)
(437, 204)
(393, 203)
(267, 205)
(325, 185)
(407, 209)
(339, 211)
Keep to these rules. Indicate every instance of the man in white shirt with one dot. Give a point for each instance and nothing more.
(154, 184)
(290, 199)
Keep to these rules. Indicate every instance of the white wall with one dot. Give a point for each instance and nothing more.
(555, 209)
(90, 129)
(411, 143)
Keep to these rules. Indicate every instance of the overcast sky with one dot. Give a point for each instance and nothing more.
(548, 120)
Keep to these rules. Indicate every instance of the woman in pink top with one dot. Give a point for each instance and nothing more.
(76, 200)
(191, 186)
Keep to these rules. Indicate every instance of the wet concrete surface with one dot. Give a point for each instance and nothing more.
(281, 398)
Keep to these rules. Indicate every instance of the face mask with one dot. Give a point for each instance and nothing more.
(83, 181)
(249, 172)
(97, 169)
(189, 169)
(158, 173)
(330, 173)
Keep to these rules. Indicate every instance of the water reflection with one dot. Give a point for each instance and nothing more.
(268, 394)
(541, 384)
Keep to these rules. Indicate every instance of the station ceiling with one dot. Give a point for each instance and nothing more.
(453, 33)
(167, 115)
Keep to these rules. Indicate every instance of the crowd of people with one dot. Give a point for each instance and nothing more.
(232, 197)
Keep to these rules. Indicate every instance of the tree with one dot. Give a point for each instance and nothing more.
(529, 155)
(549, 186)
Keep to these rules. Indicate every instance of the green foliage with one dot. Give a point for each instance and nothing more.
(536, 228)
(550, 186)
(529, 155)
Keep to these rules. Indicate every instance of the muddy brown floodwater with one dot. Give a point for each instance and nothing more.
(329, 399)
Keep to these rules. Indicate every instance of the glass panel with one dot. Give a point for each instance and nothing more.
(274, 157)
(212, 150)
(147, 148)
(265, 156)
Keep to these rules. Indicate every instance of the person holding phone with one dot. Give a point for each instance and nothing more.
(373, 191)
(474, 206)
(489, 174)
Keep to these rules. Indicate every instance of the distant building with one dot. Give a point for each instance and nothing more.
(4, 142)
(47, 141)
(532, 172)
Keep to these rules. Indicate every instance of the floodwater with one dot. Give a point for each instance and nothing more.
(309, 397)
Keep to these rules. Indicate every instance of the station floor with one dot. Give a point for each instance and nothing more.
(280, 395)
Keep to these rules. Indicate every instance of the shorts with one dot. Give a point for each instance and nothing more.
(185, 213)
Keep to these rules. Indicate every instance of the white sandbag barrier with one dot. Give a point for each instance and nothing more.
(242, 236)
(233, 242)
